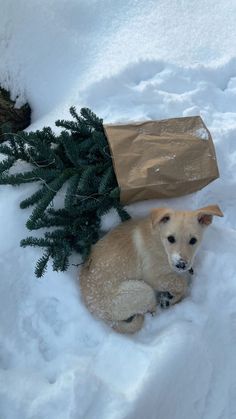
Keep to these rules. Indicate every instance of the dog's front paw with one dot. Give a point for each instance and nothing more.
(164, 298)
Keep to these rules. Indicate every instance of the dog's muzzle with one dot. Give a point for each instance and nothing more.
(181, 266)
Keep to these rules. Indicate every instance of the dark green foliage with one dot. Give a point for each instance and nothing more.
(6, 164)
(79, 160)
(41, 265)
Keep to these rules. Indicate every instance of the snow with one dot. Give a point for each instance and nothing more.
(128, 61)
(202, 133)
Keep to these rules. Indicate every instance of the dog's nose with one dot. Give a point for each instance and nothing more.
(181, 264)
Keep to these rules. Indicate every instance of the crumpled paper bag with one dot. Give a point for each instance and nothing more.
(162, 159)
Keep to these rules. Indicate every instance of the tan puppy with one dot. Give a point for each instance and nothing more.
(140, 260)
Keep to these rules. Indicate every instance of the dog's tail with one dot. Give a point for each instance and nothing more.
(131, 325)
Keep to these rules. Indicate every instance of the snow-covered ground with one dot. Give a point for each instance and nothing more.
(127, 60)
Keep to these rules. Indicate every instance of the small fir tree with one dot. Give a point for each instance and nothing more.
(79, 157)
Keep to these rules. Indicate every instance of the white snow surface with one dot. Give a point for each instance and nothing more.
(127, 60)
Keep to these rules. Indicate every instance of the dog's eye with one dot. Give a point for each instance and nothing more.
(193, 240)
(171, 239)
(165, 219)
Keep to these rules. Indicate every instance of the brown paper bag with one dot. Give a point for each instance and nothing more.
(162, 159)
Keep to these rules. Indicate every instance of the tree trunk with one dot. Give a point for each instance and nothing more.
(16, 119)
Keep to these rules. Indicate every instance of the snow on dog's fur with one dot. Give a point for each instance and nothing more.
(139, 260)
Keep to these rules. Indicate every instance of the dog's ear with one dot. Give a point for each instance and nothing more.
(205, 215)
(160, 215)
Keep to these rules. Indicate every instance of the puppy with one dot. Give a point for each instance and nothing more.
(141, 261)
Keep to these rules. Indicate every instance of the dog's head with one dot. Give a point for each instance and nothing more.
(181, 233)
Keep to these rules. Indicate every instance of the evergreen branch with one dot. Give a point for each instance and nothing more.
(17, 179)
(55, 185)
(74, 113)
(57, 235)
(69, 125)
(41, 265)
(92, 119)
(6, 164)
(9, 136)
(70, 196)
(85, 181)
(13, 144)
(46, 222)
(62, 212)
(107, 204)
(80, 157)
(42, 154)
(5, 149)
(115, 193)
(21, 152)
(35, 242)
(33, 199)
(61, 258)
(85, 145)
(35, 175)
(70, 147)
(107, 181)
(99, 138)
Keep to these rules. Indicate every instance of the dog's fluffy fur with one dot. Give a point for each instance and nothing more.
(138, 259)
